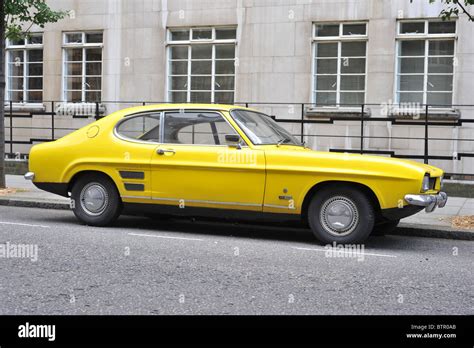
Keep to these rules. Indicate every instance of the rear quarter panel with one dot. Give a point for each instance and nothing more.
(61, 160)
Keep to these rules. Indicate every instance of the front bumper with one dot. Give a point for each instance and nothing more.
(430, 202)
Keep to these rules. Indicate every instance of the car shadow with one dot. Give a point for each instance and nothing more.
(223, 228)
(268, 231)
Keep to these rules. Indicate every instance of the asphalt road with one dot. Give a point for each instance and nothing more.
(142, 266)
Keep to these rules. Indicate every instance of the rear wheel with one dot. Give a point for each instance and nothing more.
(96, 201)
(341, 214)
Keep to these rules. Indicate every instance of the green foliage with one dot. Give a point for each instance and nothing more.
(454, 7)
(21, 15)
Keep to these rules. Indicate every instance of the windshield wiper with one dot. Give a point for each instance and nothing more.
(283, 141)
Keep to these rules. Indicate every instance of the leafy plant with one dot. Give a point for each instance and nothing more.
(454, 7)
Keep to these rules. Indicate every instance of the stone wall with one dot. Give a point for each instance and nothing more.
(274, 56)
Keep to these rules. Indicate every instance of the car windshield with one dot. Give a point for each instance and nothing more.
(262, 129)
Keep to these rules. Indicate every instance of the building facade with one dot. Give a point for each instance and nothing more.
(340, 59)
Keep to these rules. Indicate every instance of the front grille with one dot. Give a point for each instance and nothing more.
(432, 183)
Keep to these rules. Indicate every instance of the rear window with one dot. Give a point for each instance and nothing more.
(144, 127)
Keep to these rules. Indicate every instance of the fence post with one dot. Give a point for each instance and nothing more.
(97, 110)
(302, 123)
(426, 134)
(53, 113)
(362, 129)
(11, 127)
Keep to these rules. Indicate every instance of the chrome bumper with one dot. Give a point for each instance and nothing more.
(428, 201)
(29, 176)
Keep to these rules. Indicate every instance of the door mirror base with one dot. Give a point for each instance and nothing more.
(233, 140)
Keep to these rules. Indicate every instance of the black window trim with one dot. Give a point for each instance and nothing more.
(219, 112)
(162, 113)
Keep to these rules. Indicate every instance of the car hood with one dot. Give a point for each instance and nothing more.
(354, 163)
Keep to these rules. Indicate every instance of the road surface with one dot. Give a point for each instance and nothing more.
(141, 266)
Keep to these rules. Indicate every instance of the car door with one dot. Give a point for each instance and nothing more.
(195, 166)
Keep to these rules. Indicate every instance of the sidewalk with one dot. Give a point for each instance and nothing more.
(437, 224)
(28, 195)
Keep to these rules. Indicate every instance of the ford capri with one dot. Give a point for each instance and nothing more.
(227, 161)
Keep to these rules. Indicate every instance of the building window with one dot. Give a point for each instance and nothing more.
(201, 65)
(425, 57)
(339, 64)
(82, 66)
(25, 69)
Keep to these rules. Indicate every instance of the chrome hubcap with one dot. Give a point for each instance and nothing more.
(94, 199)
(339, 216)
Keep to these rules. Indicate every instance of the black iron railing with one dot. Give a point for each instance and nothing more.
(426, 116)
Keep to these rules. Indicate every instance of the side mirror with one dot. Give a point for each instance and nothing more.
(233, 140)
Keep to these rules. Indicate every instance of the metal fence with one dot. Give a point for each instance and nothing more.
(305, 120)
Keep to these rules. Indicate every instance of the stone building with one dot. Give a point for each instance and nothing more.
(337, 57)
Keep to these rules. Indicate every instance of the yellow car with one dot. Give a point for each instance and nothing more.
(229, 161)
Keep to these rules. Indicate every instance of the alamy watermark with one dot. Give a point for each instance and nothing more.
(37, 331)
(410, 109)
(69, 109)
(19, 251)
(335, 250)
(237, 157)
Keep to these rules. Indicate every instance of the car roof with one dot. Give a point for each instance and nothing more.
(186, 106)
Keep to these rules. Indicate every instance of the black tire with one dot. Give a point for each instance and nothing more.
(359, 209)
(104, 214)
(385, 228)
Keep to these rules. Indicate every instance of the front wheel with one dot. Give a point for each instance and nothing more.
(341, 215)
(96, 201)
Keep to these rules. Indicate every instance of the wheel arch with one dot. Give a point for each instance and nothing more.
(81, 173)
(321, 185)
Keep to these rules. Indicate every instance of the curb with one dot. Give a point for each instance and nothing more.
(432, 231)
(33, 203)
(458, 188)
(404, 229)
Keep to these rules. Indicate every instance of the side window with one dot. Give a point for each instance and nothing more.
(144, 127)
(199, 128)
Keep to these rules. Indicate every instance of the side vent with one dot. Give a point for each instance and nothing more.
(134, 187)
(131, 175)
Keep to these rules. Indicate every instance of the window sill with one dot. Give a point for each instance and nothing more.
(25, 107)
(335, 112)
(434, 114)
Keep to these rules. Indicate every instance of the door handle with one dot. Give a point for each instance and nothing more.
(164, 151)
